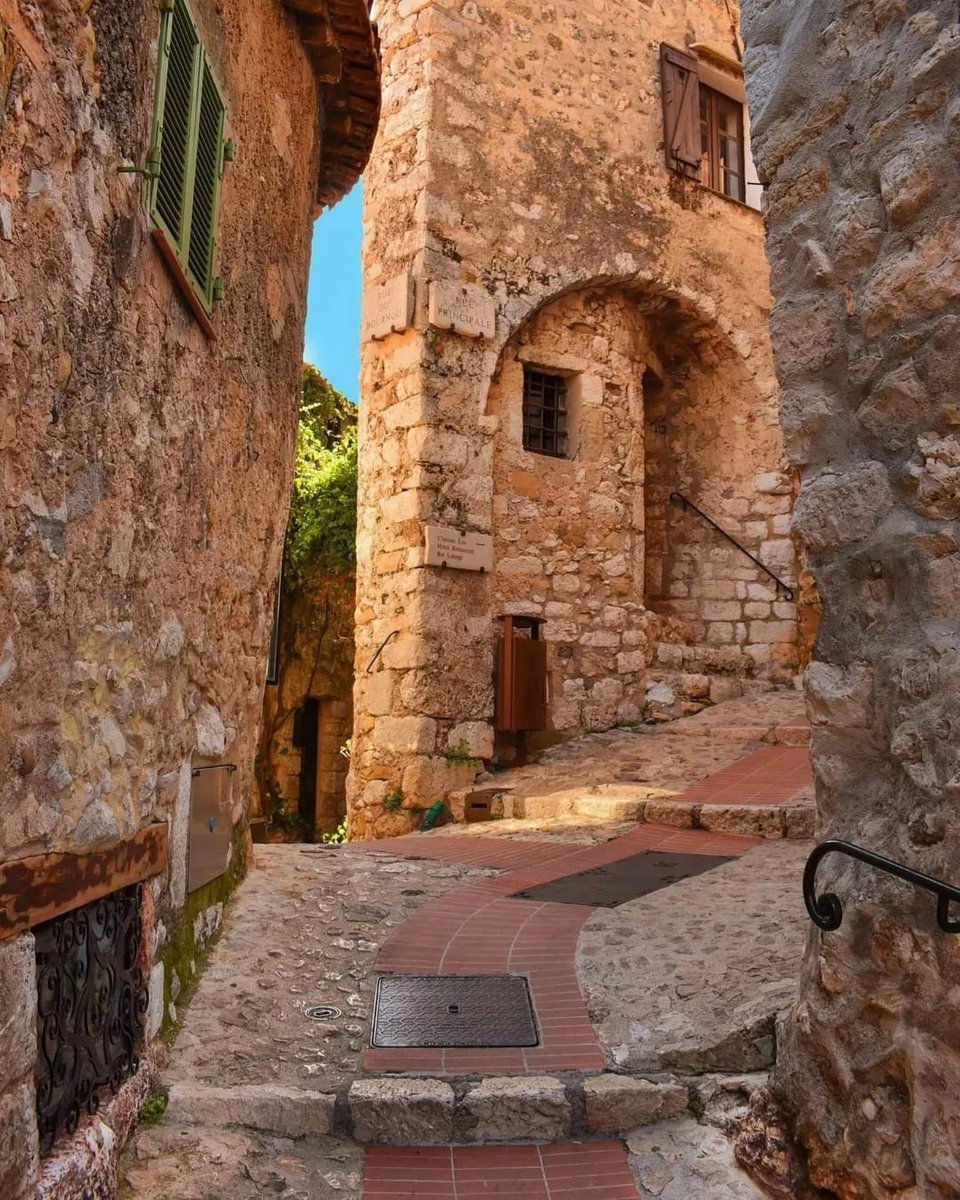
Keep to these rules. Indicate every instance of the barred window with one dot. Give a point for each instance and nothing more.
(544, 413)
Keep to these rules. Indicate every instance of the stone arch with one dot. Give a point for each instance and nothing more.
(634, 592)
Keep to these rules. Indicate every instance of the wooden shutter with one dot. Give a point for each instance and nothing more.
(681, 111)
(206, 183)
(188, 155)
(179, 52)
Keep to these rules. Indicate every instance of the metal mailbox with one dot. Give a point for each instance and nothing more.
(211, 801)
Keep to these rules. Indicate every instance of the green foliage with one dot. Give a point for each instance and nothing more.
(152, 1110)
(695, 1106)
(393, 800)
(459, 754)
(338, 837)
(346, 750)
(322, 529)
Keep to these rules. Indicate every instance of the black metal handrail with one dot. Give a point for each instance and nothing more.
(827, 911)
(681, 499)
(380, 649)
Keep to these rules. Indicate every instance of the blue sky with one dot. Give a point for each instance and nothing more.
(333, 301)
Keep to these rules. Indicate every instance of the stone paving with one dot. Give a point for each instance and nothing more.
(683, 981)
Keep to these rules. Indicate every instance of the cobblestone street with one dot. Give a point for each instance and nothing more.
(640, 1007)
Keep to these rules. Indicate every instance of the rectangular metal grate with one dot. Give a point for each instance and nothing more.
(619, 882)
(453, 1010)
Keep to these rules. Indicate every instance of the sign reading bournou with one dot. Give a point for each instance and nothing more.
(464, 308)
(388, 308)
(451, 548)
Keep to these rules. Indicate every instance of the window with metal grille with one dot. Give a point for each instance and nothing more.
(544, 413)
(187, 154)
(722, 142)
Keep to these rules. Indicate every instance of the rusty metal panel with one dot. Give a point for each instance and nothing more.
(529, 685)
(34, 890)
(211, 799)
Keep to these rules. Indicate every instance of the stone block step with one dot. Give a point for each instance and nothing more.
(407, 1111)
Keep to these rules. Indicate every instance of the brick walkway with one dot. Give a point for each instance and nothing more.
(769, 776)
(481, 929)
(593, 1171)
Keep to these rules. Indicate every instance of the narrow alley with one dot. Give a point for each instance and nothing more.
(654, 1017)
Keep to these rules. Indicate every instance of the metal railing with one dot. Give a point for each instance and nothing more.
(826, 911)
(685, 503)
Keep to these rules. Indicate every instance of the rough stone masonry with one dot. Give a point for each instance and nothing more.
(520, 215)
(145, 465)
(857, 133)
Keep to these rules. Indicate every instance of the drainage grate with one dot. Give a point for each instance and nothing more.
(322, 1012)
(618, 882)
(453, 1010)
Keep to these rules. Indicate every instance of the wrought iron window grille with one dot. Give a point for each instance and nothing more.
(681, 500)
(91, 1000)
(826, 911)
(544, 413)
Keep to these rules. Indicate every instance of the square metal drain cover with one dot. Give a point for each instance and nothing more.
(629, 879)
(453, 1010)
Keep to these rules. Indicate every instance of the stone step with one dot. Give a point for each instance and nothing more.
(406, 1111)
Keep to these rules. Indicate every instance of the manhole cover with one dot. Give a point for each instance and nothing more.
(628, 879)
(322, 1012)
(453, 1010)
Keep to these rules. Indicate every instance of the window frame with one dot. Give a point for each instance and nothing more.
(200, 294)
(714, 174)
(558, 386)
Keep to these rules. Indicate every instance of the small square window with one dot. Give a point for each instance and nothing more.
(544, 413)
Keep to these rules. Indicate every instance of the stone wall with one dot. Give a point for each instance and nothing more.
(520, 155)
(145, 467)
(316, 662)
(857, 115)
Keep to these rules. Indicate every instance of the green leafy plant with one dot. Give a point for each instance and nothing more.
(346, 750)
(338, 837)
(151, 1111)
(393, 800)
(459, 754)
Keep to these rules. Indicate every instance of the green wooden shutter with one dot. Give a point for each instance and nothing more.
(187, 150)
(206, 186)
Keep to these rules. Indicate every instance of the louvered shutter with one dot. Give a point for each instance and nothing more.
(206, 184)
(180, 50)
(681, 112)
(188, 153)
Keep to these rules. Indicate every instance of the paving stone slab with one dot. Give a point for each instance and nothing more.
(271, 1108)
(619, 1103)
(684, 1160)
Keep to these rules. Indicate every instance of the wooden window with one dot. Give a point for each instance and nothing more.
(188, 152)
(544, 413)
(722, 142)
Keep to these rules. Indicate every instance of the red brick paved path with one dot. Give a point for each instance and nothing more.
(482, 930)
(591, 1171)
(769, 776)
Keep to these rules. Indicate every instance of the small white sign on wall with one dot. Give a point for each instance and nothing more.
(464, 308)
(388, 308)
(465, 551)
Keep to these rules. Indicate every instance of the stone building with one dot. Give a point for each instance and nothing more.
(161, 168)
(566, 303)
(858, 138)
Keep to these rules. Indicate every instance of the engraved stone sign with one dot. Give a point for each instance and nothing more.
(463, 307)
(451, 548)
(388, 308)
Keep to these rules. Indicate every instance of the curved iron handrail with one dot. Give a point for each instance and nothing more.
(681, 499)
(827, 910)
(380, 649)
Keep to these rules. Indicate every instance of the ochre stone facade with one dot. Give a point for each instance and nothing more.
(146, 467)
(858, 134)
(521, 155)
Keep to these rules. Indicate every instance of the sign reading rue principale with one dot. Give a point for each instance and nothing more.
(464, 308)
(464, 551)
(388, 308)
